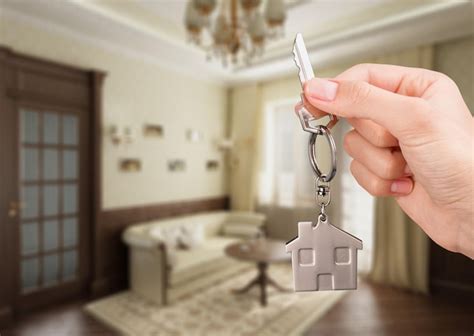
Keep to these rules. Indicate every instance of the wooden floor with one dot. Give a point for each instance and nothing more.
(371, 310)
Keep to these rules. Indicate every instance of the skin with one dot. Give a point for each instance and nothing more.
(413, 140)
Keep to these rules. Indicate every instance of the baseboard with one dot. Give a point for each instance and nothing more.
(449, 288)
(6, 316)
(107, 285)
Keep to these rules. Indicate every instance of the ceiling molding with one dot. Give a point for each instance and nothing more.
(124, 40)
(430, 23)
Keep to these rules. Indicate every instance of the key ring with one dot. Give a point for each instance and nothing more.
(322, 130)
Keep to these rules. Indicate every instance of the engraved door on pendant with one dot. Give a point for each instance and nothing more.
(49, 199)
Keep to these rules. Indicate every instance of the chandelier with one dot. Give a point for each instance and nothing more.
(239, 29)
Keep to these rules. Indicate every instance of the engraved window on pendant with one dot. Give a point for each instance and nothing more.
(342, 256)
(306, 257)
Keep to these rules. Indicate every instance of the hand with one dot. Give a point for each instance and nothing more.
(412, 139)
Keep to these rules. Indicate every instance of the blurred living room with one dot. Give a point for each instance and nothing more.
(153, 170)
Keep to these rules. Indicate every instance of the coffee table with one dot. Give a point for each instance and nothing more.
(263, 252)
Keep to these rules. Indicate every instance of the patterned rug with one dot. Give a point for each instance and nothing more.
(216, 311)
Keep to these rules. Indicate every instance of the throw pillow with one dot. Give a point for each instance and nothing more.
(169, 236)
(192, 235)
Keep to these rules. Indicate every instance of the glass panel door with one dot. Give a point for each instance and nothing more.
(49, 201)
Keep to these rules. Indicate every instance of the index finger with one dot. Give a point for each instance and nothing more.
(393, 78)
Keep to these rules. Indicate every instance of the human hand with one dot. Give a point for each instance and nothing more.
(412, 139)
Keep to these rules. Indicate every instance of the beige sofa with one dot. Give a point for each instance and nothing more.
(162, 273)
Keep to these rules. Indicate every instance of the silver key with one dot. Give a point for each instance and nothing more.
(305, 73)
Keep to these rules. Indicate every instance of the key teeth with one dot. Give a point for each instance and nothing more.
(296, 60)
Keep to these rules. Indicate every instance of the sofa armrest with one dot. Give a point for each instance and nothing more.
(138, 239)
(149, 271)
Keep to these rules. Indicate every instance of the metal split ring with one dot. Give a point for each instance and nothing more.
(322, 130)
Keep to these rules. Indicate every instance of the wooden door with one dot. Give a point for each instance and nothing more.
(47, 197)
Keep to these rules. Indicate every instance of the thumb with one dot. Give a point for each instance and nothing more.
(358, 99)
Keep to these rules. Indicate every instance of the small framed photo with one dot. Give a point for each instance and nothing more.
(130, 165)
(153, 131)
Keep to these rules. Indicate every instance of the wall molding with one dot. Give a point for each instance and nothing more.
(426, 24)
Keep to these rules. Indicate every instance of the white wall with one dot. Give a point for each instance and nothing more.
(137, 92)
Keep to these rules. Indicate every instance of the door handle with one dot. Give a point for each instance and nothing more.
(12, 213)
(13, 209)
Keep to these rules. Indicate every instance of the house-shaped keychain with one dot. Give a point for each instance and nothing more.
(324, 257)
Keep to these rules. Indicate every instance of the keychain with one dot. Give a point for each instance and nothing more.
(323, 256)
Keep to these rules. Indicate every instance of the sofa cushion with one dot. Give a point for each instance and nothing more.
(243, 230)
(203, 259)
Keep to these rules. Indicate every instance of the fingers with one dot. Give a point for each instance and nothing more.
(385, 163)
(400, 115)
(311, 109)
(406, 81)
(375, 134)
(378, 186)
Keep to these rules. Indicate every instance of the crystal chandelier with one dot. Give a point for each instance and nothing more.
(237, 31)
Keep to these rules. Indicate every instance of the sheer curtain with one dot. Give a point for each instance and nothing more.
(285, 178)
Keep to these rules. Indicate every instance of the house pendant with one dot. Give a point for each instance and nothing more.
(323, 257)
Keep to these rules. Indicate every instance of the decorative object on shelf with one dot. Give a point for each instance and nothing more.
(119, 135)
(176, 165)
(193, 135)
(130, 165)
(225, 144)
(153, 131)
(212, 165)
(238, 30)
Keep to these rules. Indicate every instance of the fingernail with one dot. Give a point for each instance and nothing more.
(322, 89)
(401, 186)
(407, 171)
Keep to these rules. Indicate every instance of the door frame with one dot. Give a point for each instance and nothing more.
(12, 96)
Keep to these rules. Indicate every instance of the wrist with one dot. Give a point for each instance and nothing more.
(466, 238)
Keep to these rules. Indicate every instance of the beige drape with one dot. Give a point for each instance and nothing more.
(245, 119)
(401, 247)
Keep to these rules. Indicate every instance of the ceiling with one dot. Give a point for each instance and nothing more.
(334, 30)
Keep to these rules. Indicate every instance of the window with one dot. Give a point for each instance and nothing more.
(286, 178)
(342, 256)
(306, 257)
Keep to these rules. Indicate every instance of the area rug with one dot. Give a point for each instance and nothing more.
(217, 311)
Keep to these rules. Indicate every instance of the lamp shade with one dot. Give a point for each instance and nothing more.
(275, 14)
(249, 5)
(256, 28)
(222, 32)
(205, 7)
(193, 20)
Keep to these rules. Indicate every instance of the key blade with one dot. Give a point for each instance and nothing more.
(302, 60)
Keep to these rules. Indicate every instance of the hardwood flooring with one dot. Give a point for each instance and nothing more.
(371, 310)
(385, 311)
